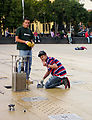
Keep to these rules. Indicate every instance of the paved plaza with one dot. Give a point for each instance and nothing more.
(49, 104)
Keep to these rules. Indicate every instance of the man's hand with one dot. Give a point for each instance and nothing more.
(46, 75)
(44, 63)
(42, 82)
(30, 44)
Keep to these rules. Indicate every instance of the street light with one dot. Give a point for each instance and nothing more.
(23, 8)
(43, 22)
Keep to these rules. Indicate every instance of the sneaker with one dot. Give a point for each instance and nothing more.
(68, 82)
(65, 82)
(38, 40)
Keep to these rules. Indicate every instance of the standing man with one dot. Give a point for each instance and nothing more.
(25, 43)
(56, 69)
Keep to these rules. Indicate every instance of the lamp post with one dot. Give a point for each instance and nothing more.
(23, 8)
(43, 22)
(0, 27)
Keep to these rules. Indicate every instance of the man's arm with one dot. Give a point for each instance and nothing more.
(54, 66)
(46, 75)
(30, 44)
(19, 40)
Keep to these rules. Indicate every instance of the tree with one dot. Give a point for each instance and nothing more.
(44, 11)
(4, 9)
(30, 9)
(75, 13)
(59, 12)
(90, 19)
(14, 16)
(69, 11)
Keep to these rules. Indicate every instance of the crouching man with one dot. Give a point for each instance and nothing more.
(56, 69)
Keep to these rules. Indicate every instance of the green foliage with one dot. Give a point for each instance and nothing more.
(75, 13)
(44, 11)
(30, 9)
(69, 11)
(59, 7)
(4, 7)
(90, 17)
(14, 17)
(12, 11)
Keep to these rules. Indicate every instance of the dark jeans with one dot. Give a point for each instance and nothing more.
(53, 82)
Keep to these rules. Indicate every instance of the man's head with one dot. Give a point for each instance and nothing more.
(42, 55)
(26, 22)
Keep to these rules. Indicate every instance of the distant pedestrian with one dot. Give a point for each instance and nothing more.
(52, 34)
(69, 37)
(7, 33)
(87, 36)
(36, 36)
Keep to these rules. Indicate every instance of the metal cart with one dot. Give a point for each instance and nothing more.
(19, 82)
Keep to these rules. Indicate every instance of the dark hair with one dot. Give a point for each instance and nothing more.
(26, 18)
(41, 53)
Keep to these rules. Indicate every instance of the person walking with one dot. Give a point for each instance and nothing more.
(90, 36)
(56, 69)
(36, 36)
(69, 37)
(7, 33)
(52, 34)
(87, 36)
(25, 43)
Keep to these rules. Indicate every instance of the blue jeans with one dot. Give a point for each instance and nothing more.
(70, 39)
(53, 82)
(36, 37)
(88, 39)
(26, 54)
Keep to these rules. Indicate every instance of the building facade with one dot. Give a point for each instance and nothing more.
(40, 28)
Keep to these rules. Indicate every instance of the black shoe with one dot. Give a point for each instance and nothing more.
(66, 82)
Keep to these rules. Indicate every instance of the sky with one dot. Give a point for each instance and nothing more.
(87, 4)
